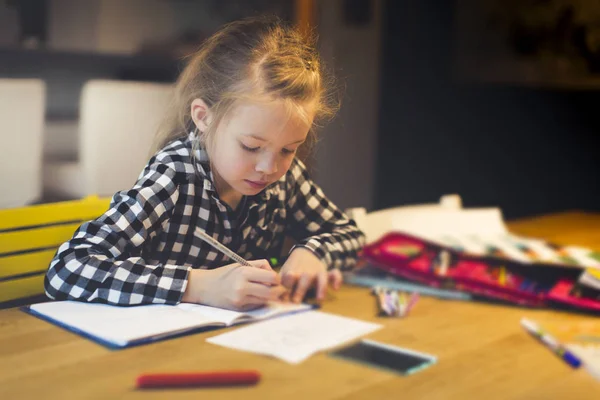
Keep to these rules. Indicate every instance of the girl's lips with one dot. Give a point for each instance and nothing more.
(255, 184)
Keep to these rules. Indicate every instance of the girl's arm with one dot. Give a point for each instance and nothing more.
(101, 263)
(319, 225)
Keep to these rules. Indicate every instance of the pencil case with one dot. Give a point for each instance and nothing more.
(486, 277)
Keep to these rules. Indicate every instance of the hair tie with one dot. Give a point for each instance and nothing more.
(309, 65)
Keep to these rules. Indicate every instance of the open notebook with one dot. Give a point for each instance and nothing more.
(120, 327)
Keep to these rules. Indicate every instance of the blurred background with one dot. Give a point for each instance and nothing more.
(492, 99)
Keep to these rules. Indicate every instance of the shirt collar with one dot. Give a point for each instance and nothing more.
(203, 164)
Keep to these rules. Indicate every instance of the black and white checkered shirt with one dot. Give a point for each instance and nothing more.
(142, 249)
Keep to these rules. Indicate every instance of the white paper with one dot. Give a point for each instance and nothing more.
(590, 356)
(546, 253)
(508, 247)
(539, 247)
(470, 244)
(294, 338)
(436, 223)
(377, 223)
(582, 256)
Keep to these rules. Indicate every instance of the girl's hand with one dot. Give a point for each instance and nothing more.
(234, 286)
(303, 270)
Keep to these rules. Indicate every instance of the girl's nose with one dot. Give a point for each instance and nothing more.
(267, 164)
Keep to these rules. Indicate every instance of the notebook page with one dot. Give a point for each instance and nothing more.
(121, 325)
(276, 308)
(294, 338)
(213, 313)
(229, 317)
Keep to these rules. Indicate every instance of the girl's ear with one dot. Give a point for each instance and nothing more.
(200, 114)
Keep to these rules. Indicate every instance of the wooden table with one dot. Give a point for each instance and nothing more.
(483, 352)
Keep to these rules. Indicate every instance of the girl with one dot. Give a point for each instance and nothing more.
(243, 105)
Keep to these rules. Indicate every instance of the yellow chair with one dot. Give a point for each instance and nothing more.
(29, 238)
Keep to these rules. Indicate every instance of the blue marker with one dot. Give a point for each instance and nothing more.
(551, 342)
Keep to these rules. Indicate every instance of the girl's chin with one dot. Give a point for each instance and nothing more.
(251, 192)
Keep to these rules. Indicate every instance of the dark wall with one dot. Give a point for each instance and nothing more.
(529, 151)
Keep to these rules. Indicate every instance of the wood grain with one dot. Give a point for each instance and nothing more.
(483, 352)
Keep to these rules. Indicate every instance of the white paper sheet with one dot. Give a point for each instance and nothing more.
(296, 337)
(436, 223)
(590, 356)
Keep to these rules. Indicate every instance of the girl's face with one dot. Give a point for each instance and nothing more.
(254, 147)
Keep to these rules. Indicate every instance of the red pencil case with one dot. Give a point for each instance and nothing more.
(497, 278)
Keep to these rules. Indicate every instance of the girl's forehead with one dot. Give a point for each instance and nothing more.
(262, 114)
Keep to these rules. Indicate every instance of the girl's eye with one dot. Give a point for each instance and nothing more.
(250, 149)
(288, 151)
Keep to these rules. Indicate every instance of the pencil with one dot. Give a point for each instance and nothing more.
(222, 248)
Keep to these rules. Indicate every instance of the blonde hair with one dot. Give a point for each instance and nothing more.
(251, 59)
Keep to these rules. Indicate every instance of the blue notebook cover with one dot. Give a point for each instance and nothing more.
(138, 342)
(114, 346)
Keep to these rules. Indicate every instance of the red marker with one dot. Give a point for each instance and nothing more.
(197, 379)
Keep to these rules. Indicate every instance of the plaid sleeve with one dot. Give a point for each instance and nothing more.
(102, 263)
(319, 225)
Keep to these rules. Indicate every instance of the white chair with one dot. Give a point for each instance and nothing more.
(117, 126)
(22, 109)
